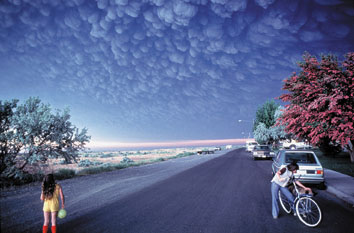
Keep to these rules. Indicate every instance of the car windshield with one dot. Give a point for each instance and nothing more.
(262, 147)
(300, 157)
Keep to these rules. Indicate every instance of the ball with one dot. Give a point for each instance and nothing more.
(62, 213)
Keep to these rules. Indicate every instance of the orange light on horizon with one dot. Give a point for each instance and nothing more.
(104, 144)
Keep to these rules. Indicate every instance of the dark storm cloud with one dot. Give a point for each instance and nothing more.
(157, 57)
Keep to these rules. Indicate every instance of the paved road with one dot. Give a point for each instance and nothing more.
(230, 193)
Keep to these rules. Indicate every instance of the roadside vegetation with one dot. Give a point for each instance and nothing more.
(319, 110)
(30, 135)
(91, 162)
(340, 162)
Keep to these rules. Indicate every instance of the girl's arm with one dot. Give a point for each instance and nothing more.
(302, 186)
(42, 196)
(280, 172)
(62, 197)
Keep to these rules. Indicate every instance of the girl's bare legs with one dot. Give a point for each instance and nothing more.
(54, 218)
(54, 222)
(46, 218)
(46, 221)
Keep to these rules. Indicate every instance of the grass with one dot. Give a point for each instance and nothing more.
(112, 167)
(340, 163)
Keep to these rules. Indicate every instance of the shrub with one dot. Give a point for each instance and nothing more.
(88, 163)
(184, 154)
(63, 174)
(109, 155)
(20, 179)
(62, 162)
(126, 160)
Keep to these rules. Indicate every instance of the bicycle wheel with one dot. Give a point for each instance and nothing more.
(284, 202)
(308, 211)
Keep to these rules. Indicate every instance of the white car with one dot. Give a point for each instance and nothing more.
(228, 147)
(250, 145)
(293, 145)
(310, 169)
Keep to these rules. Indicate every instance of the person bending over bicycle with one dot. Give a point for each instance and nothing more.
(280, 181)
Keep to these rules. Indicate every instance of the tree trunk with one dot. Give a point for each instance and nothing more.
(351, 150)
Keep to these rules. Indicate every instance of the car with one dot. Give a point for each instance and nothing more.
(262, 151)
(250, 145)
(310, 169)
(294, 144)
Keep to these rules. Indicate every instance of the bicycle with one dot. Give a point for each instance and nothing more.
(307, 210)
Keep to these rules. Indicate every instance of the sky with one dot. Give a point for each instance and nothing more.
(144, 71)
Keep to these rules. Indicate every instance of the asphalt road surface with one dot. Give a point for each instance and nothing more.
(200, 193)
(230, 193)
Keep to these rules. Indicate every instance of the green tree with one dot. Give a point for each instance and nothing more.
(31, 133)
(273, 133)
(266, 114)
(7, 146)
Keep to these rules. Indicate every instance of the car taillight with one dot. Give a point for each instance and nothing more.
(319, 172)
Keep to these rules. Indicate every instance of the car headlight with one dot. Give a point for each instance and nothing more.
(254, 153)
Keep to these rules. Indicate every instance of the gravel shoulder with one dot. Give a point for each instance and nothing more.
(21, 208)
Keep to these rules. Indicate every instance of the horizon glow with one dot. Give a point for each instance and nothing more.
(176, 144)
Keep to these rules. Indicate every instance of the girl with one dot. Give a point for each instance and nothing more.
(279, 181)
(50, 197)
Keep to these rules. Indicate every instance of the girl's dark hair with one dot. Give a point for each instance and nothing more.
(293, 166)
(48, 186)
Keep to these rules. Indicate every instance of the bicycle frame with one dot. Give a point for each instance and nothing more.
(298, 194)
(306, 208)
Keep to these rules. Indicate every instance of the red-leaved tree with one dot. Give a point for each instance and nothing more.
(321, 101)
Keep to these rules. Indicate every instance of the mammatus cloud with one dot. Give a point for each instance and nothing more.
(168, 59)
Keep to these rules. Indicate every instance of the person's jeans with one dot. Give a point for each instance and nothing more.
(275, 204)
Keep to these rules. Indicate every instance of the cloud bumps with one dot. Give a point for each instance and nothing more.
(171, 59)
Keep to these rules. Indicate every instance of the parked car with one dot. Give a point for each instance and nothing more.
(310, 169)
(250, 145)
(262, 151)
(294, 144)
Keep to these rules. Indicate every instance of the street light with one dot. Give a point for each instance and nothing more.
(245, 121)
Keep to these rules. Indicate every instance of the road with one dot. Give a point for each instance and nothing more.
(230, 193)
(201, 193)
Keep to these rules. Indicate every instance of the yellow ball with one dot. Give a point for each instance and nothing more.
(62, 213)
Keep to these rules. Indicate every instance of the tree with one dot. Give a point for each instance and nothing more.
(265, 114)
(31, 133)
(321, 101)
(262, 134)
(267, 132)
(6, 144)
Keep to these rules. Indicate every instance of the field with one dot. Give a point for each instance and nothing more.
(95, 162)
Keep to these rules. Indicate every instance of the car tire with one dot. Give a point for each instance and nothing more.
(292, 147)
